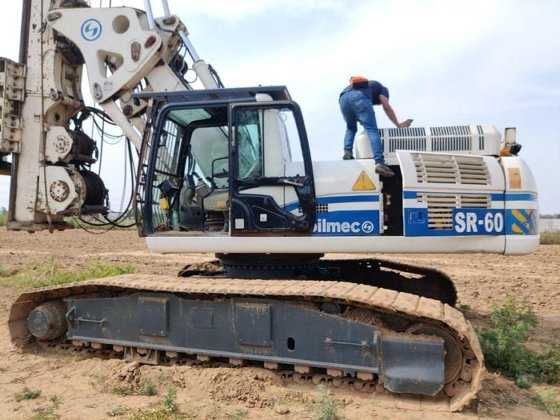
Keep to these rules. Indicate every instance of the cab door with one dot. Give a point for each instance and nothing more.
(260, 150)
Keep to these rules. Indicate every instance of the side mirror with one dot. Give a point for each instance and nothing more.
(224, 173)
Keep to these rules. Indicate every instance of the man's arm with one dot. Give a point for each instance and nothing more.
(391, 113)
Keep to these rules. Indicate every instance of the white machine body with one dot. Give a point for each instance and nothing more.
(496, 213)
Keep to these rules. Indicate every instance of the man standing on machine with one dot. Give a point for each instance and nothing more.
(356, 104)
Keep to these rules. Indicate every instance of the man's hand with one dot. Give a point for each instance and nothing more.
(384, 101)
(406, 124)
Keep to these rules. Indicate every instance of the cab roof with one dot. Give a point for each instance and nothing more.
(244, 94)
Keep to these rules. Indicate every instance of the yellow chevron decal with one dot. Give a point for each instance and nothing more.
(520, 218)
(517, 230)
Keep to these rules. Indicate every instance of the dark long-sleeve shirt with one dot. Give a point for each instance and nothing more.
(372, 90)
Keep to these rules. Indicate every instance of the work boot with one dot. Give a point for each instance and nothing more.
(384, 170)
(348, 155)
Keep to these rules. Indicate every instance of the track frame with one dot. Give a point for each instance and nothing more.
(368, 303)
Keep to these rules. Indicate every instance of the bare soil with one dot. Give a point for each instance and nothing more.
(74, 386)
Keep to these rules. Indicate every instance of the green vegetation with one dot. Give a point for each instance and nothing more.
(145, 388)
(168, 409)
(56, 401)
(4, 272)
(48, 413)
(118, 411)
(45, 414)
(326, 408)
(27, 394)
(3, 216)
(48, 273)
(122, 390)
(238, 415)
(170, 401)
(548, 401)
(550, 238)
(504, 347)
(153, 414)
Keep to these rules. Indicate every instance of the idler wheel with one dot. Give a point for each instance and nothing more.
(47, 321)
(453, 349)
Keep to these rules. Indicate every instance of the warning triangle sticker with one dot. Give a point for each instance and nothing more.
(364, 183)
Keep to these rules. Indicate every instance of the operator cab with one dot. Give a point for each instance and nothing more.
(217, 164)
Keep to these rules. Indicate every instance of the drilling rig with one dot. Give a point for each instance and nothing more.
(229, 171)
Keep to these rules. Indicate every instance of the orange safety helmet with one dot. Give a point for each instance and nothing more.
(358, 80)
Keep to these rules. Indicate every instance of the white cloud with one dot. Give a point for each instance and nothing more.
(233, 10)
(243, 9)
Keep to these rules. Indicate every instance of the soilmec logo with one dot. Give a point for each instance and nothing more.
(341, 228)
(91, 30)
(368, 227)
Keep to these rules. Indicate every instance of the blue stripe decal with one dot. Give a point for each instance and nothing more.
(349, 199)
(410, 195)
(514, 197)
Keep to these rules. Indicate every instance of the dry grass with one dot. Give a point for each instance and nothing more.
(548, 401)
(47, 274)
(27, 394)
(550, 238)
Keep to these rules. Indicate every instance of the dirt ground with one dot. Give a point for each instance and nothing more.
(74, 386)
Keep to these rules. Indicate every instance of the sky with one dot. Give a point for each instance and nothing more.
(444, 62)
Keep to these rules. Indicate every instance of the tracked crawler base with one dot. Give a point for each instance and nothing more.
(321, 330)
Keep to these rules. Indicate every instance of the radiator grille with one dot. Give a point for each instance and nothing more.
(481, 140)
(472, 170)
(441, 206)
(441, 169)
(474, 201)
(451, 139)
(412, 138)
(440, 211)
(447, 139)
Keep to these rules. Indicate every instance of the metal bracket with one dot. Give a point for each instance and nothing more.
(71, 320)
(363, 344)
(12, 88)
(143, 356)
(92, 321)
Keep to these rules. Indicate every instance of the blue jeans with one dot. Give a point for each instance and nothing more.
(356, 107)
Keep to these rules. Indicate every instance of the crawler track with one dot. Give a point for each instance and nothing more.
(407, 278)
(388, 309)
